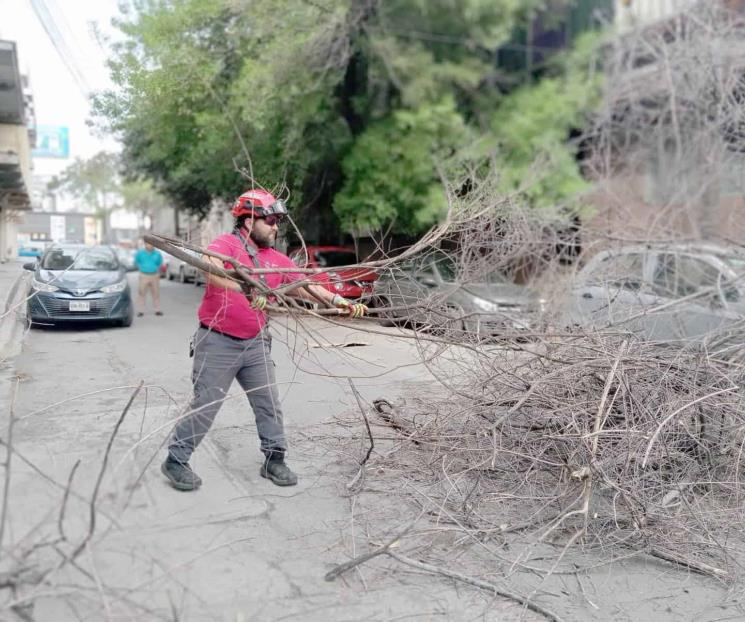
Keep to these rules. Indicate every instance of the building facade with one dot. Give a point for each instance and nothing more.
(16, 139)
(670, 160)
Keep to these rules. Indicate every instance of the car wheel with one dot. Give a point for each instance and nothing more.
(386, 318)
(181, 275)
(127, 321)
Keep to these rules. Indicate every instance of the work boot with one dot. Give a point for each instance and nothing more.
(180, 475)
(275, 469)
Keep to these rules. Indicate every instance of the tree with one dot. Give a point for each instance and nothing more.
(353, 106)
(95, 183)
(141, 197)
(530, 128)
(99, 185)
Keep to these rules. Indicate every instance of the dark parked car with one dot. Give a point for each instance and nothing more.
(79, 283)
(662, 292)
(428, 287)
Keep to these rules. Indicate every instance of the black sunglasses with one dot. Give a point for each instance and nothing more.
(273, 219)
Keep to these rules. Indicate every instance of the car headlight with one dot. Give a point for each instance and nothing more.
(43, 287)
(542, 305)
(485, 305)
(115, 288)
(339, 285)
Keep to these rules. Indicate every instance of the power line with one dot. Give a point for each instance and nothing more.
(58, 41)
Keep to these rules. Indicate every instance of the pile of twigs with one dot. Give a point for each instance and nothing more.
(595, 439)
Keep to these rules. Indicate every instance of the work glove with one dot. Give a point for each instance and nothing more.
(355, 309)
(258, 302)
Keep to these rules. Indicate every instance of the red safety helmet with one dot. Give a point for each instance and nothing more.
(258, 203)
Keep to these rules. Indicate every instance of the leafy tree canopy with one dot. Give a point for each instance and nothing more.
(98, 184)
(93, 182)
(352, 105)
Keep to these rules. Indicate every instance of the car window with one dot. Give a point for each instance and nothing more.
(624, 271)
(676, 276)
(335, 259)
(94, 258)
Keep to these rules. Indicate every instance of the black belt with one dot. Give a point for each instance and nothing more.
(219, 332)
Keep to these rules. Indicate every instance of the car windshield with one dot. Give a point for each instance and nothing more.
(77, 258)
(335, 259)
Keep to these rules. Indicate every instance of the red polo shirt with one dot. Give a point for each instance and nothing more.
(230, 312)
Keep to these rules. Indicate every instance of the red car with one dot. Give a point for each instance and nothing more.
(352, 283)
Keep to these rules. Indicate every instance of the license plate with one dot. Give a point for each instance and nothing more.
(80, 305)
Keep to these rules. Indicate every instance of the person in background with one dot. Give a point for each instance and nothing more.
(148, 261)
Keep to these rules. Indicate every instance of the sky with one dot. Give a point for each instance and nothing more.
(60, 97)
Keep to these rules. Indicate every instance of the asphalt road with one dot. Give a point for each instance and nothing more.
(239, 548)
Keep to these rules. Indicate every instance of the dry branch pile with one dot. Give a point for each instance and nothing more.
(598, 439)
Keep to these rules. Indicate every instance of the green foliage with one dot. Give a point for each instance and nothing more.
(391, 170)
(530, 128)
(93, 181)
(353, 105)
(140, 196)
(97, 182)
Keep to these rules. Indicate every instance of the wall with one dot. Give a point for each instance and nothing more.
(39, 223)
(14, 138)
(624, 215)
(634, 13)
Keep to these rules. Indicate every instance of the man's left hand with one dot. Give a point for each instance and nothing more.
(355, 309)
(258, 302)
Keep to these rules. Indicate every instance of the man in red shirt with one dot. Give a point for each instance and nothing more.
(233, 342)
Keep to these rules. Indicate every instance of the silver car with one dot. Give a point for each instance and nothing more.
(664, 293)
(181, 270)
(426, 291)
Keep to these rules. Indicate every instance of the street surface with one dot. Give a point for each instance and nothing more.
(239, 548)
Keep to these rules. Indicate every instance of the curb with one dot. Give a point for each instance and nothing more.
(12, 320)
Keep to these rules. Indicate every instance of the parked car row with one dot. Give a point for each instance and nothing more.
(660, 292)
(423, 291)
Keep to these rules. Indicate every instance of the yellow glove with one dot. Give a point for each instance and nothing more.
(355, 309)
(258, 302)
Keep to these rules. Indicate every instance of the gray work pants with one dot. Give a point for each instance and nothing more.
(218, 359)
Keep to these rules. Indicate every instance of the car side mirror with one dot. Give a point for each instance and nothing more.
(427, 281)
(31, 266)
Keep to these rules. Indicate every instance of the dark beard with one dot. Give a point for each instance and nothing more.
(262, 242)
